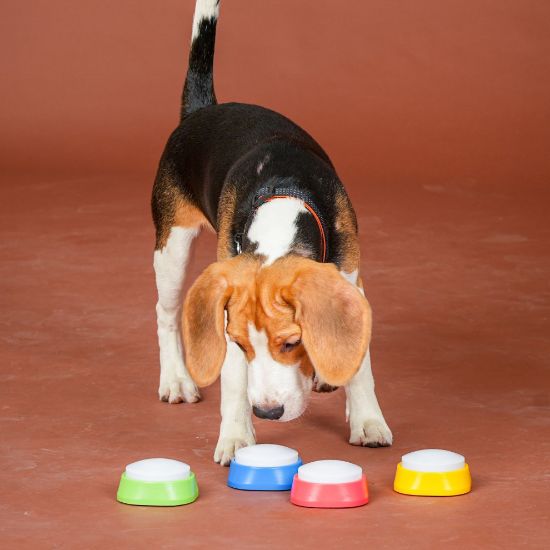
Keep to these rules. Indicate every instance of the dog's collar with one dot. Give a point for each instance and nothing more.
(269, 193)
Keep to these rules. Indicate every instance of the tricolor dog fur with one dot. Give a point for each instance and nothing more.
(282, 311)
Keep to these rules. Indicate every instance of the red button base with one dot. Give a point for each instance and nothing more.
(329, 495)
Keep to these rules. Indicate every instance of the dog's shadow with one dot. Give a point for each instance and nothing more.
(321, 413)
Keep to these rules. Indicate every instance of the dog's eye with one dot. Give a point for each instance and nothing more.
(288, 346)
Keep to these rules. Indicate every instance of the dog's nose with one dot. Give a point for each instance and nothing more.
(269, 414)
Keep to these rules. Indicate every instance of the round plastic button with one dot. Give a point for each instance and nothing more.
(433, 472)
(266, 456)
(329, 484)
(330, 471)
(158, 469)
(433, 460)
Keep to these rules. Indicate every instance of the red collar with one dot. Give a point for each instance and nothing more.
(267, 194)
(317, 219)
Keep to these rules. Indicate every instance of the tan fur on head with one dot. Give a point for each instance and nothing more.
(204, 319)
(335, 318)
(292, 299)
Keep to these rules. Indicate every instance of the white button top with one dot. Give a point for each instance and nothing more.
(433, 460)
(330, 472)
(158, 469)
(266, 456)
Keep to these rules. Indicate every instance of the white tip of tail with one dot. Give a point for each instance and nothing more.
(204, 9)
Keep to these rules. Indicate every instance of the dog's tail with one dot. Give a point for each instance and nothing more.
(199, 83)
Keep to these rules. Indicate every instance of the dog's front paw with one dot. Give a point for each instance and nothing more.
(371, 433)
(226, 447)
(179, 390)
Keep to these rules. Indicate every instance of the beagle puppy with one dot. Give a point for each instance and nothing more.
(282, 311)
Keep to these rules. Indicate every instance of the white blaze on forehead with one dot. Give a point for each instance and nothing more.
(259, 341)
(272, 383)
(274, 227)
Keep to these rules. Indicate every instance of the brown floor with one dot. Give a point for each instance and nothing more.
(458, 278)
(436, 115)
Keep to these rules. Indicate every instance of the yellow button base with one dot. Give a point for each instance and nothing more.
(434, 484)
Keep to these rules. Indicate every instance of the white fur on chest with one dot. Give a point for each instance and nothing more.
(274, 227)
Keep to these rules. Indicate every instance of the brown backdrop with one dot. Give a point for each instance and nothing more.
(425, 91)
(435, 113)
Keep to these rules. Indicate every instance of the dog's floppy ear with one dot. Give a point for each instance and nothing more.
(335, 319)
(203, 325)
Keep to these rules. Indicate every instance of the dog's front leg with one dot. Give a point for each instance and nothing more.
(236, 429)
(367, 424)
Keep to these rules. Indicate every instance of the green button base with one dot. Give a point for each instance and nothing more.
(157, 493)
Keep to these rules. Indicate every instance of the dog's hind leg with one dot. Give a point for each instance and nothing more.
(177, 223)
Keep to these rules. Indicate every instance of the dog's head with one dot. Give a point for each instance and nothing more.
(291, 319)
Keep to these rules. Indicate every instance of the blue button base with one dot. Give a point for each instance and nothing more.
(253, 478)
